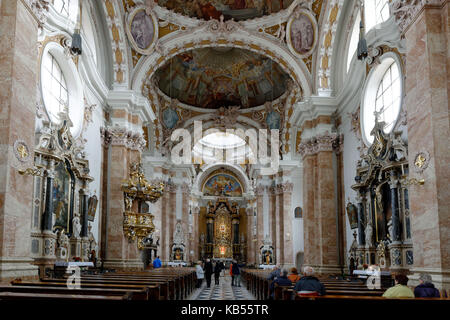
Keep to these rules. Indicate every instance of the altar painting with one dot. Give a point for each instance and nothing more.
(222, 185)
(61, 197)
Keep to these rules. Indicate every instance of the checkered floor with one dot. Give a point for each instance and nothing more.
(223, 291)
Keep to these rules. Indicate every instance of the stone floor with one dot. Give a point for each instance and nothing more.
(223, 291)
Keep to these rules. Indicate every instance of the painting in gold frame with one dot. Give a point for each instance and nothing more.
(302, 33)
(142, 30)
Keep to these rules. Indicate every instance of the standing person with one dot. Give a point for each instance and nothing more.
(217, 269)
(222, 267)
(426, 288)
(231, 273)
(236, 273)
(200, 273)
(157, 263)
(208, 272)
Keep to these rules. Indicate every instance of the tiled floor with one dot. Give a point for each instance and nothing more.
(223, 291)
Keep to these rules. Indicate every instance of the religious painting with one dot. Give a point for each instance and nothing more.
(352, 213)
(222, 185)
(229, 9)
(61, 197)
(142, 30)
(92, 207)
(273, 120)
(170, 118)
(302, 33)
(298, 213)
(221, 77)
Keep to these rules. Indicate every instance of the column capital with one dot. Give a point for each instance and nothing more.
(406, 11)
(322, 142)
(122, 136)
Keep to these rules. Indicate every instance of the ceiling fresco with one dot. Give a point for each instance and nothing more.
(230, 9)
(222, 77)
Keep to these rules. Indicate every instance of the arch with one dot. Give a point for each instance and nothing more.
(209, 169)
(201, 37)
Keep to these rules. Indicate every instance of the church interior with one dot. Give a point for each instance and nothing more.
(141, 139)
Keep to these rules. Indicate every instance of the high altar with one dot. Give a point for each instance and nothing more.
(222, 232)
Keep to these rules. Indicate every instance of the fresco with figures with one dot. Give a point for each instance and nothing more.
(222, 185)
(230, 9)
(218, 77)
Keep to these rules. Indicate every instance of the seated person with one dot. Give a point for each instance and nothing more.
(308, 284)
(400, 290)
(282, 281)
(275, 273)
(426, 288)
(294, 277)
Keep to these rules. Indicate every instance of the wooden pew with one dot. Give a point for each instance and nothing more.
(127, 294)
(151, 290)
(11, 296)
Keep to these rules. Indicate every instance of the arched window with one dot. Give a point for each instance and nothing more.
(61, 86)
(383, 95)
(354, 39)
(54, 87)
(376, 12)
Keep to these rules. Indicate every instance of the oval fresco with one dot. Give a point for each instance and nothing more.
(222, 185)
(302, 33)
(142, 30)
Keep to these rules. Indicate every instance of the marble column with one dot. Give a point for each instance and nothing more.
(361, 215)
(287, 253)
(320, 216)
(259, 221)
(250, 242)
(125, 147)
(274, 221)
(425, 27)
(185, 189)
(47, 221)
(396, 234)
(19, 23)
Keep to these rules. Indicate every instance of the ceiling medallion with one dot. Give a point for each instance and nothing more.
(21, 151)
(142, 29)
(302, 33)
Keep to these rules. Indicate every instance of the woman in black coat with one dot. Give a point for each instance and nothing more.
(217, 270)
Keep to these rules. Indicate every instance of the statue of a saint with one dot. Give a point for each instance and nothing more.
(369, 233)
(76, 226)
(177, 254)
(267, 257)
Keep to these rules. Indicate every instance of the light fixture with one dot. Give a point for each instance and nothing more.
(76, 37)
(362, 51)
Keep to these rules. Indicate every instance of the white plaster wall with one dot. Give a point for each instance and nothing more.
(93, 151)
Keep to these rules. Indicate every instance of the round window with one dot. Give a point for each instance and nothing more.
(382, 97)
(61, 87)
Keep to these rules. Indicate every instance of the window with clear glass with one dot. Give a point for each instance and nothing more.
(354, 39)
(376, 12)
(387, 104)
(54, 87)
(382, 98)
(62, 6)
